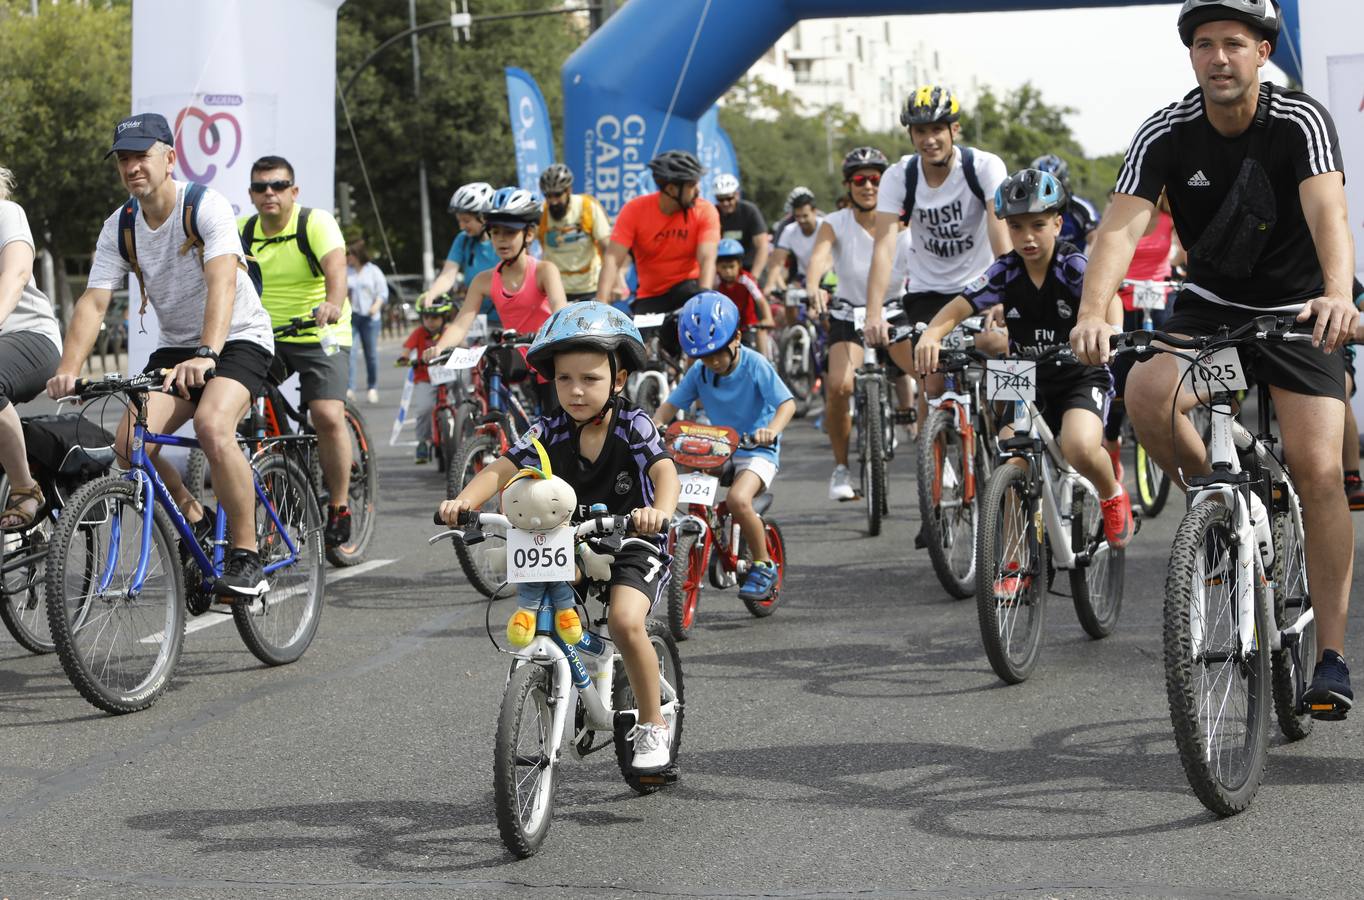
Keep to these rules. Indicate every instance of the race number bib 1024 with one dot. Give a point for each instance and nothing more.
(1011, 379)
(698, 488)
(1220, 371)
(539, 555)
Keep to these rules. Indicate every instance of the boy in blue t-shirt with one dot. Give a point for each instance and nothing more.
(739, 389)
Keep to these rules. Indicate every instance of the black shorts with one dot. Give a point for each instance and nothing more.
(922, 306)
(640, 564)
(842, 331)
(1066, 387)
(321, 376)
(670, 302)
(27, 361)
(1301, 368)
(245, 362)
(579, 298)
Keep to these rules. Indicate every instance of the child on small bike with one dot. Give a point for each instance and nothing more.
(739, 389)
(524, 290)
(739, 285)
(435, 315)
(1039, 284)
(612, 454)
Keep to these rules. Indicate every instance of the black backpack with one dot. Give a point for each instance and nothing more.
(968, 168)
(300, 235)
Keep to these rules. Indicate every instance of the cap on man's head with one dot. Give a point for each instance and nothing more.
(140, 132)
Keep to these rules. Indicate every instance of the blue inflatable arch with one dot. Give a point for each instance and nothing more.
(639, 84)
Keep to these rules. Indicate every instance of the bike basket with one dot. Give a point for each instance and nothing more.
(700, 446)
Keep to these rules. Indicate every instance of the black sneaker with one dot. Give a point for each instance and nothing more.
(920, 540)
(1330, 698)
(242, 576)
(338, 526)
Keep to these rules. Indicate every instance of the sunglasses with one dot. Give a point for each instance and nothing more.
(260, 187)
(729, 199)
(860, 180)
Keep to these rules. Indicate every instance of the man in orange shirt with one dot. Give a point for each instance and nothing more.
(672, 234)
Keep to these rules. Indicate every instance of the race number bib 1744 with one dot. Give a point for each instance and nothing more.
(1011, 379)
(539, 555)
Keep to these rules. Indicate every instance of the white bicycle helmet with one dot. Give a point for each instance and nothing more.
(1262, 15)
(725, 184)
(472, 198)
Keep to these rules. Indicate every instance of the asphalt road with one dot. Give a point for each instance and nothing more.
(856, 743)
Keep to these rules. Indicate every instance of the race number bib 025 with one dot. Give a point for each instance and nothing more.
(539, 555)
(1220, 371)
(698, 488)
(860, 317)
(1146, 295)
(1011, 379)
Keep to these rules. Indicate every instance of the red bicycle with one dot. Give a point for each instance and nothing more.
(705, 541)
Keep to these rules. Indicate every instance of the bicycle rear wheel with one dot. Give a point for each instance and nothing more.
(1292, 673)
(1010, 600)
(623, 700)
(1096, 585)
(1218, 690)
(443, 427)
(776, 551)
(279, 626)
(1153, 485)
(949, 519)
(871, 433)
(684, 587)
(196, 476)
(797, 365)
(479, 452)
(23, 595)
(118, 650)
(523, 774)
(363, 496)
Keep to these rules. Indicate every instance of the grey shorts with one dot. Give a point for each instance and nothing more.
(321, 377)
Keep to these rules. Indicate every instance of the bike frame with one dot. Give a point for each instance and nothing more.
(147, 480)
(1050, 476)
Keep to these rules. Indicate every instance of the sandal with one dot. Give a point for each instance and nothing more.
(15, 508)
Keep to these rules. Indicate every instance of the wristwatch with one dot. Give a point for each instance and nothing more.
(206, 352)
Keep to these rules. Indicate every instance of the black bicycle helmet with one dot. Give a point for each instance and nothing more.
(864, 158)
(1263, 15)
(1029, 191)
(556, 178)
(675, 167)
(929, 104)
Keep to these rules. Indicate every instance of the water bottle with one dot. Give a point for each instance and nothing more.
(330, 345)
(1264, 534)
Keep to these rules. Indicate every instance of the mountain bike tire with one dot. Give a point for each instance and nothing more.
(684, 587)
(1291, 600)
(1009, 531)
(950, 532)
(869, 426)
(524, 778)
(1095, 587)
(363, 497)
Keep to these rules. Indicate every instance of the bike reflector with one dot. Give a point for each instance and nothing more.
(700, 446)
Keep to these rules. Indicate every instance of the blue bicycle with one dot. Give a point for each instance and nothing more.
(118, 585)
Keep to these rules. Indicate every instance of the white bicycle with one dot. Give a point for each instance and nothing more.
(650, 386)
(1239, 627)
(550, 680)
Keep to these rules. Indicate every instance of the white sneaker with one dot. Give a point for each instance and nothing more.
(840, 484)
(350, 395)
(373, 397)
(653, 747)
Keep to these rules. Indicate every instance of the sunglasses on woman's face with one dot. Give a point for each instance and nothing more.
(260, 187)
(859, 180)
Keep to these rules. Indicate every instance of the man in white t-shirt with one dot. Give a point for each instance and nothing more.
(795, 239)
(211, 320)
(950, 213)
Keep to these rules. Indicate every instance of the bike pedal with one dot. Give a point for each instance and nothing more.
(666, 776)
(1327, 712)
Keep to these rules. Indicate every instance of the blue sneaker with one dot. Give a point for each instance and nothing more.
(423, 453)
(1330, 697)
(762, 578)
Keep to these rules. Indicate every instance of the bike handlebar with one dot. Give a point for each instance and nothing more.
(1285, 329)
(112, 383)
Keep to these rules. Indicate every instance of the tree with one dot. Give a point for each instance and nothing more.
(66, 79)
(461, 127)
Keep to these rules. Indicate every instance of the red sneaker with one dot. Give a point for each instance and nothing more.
(1354, 492)
(1118, 524)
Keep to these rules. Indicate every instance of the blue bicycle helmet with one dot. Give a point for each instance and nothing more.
(729, 248)
(1029, 191)
(588, 325)
(707, 323)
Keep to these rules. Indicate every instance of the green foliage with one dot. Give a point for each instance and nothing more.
(65, 78)
(780, 145)
(461, 125)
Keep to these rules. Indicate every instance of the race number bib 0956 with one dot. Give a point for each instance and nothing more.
(1011, 379)
(1220, 371)
(698, 488)
(539, 555)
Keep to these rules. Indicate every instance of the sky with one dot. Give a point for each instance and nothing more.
(1115, 66)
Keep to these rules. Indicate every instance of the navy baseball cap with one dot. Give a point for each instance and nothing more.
(140, 132)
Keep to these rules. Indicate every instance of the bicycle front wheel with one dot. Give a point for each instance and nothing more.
(480, 452)
(871, 433)
(1217, 688)
(684, 587)
(949, 518)
(363, 496)
(1153, 485)
(1292, 672)
(523, 767)
(1096, 584)
(119, 648)
(278, 627)
(1010, 599)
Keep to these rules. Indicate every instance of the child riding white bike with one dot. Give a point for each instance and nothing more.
(739, 389)
(611, 453)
